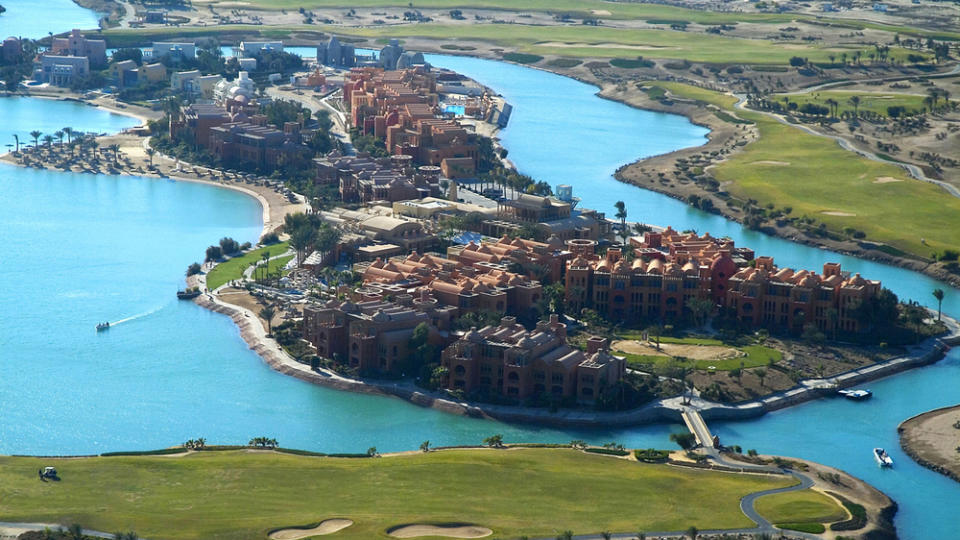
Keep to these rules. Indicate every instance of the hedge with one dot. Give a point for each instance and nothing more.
(607, 451)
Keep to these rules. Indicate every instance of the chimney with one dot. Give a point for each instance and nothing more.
(596, 344)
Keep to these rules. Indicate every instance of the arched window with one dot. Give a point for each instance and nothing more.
(513, 377)
(460, 370)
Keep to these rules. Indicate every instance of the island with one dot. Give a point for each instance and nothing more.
(932, 439)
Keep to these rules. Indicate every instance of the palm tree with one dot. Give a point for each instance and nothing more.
(938, 294)
(266, 260)
(48, 141)
(115, 148)
(16, 139)
(93, 148)
(762, 374)
(36, 137)
(267, 313)
(59, 136)
(855, 101)
(150, 152)
(69, 132)
(622, 216)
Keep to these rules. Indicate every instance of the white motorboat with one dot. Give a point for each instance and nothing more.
(883, 459)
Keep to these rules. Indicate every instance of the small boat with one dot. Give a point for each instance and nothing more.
(103, 326)
(856, 395)
(188, 294)
(883, 459)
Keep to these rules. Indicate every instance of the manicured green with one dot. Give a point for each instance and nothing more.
(806, 506)
(244, 494)
(818, 178)
(233, 268)
(875, 102)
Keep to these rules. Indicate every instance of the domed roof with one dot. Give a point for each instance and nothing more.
(856, 281)
(808, 281)
(754, 276)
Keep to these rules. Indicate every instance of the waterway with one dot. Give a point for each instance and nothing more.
(38, 18)
(85, 248)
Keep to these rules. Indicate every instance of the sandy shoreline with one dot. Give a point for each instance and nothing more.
(932, 439)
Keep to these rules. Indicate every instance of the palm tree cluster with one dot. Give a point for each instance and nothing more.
(263, 442)
(81, 150)
(195, 444)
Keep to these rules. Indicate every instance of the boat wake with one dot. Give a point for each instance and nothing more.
(135, 317)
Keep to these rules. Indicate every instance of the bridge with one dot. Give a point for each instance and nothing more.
(698, 426)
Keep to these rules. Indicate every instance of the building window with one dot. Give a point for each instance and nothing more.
(513, 376)
(556, 378)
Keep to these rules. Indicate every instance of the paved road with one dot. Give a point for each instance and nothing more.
(913, 170)
(827, 85)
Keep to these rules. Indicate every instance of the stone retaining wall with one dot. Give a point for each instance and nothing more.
(661, 411)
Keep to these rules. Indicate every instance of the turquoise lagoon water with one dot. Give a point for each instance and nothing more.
(542, 142)
(176, 371)
(21, 115)
(36, 18)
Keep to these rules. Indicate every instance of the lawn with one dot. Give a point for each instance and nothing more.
(233, 268)
(806, 506)
(241, 494)
(876, 102)
(757, 355)
(819, 179)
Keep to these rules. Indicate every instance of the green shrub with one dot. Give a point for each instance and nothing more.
(627, 63)
(812, 528)
(564, 63)
(651, 455)
(161, 452)
(607, 451)
(522, 58)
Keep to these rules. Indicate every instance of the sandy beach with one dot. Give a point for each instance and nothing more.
(932, 439)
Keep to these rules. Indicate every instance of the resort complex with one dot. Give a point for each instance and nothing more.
(434, 249)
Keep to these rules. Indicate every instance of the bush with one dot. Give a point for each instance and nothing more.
(213, 253)
(627, 63)
(607, 451)
(161, 452)
(812, 528)
(651, 455)
(522, 58)
(564, 63)
(193, 269)
(269, 238)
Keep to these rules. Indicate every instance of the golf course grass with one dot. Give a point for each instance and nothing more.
(245, 494)
(875, 102)
(575, 41)
(233, 268)
(819, 179)
(757, 355)
(805, 506)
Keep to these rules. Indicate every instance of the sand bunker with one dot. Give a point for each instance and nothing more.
(886, 180)
(329, 526)
(768, 162)
(838, 214)
(693, 352)
(449, 531)
(600, 12)
(602, 46)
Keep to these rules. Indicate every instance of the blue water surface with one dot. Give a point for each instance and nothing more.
(35, 19)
